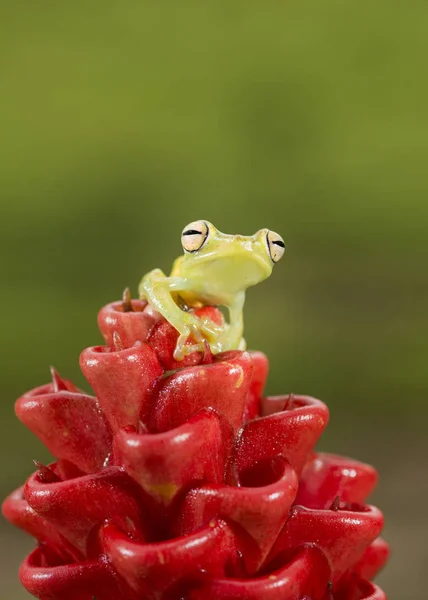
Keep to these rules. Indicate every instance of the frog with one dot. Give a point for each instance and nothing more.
(215, 270)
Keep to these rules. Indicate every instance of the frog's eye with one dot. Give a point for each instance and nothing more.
(194, 236)
(276, 245)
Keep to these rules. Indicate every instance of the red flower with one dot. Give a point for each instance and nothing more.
(180, 481)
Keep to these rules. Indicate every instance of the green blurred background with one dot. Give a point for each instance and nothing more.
(120, 122)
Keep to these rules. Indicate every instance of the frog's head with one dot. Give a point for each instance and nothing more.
(230, 262)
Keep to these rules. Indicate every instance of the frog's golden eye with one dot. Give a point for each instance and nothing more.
(194, 236)
(275, 245)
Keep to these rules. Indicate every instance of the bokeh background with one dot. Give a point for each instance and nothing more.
(120, 122)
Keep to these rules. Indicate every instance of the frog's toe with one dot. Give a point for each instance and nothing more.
(182, 349)
(212, 329)
(179, 353)
(195, 331)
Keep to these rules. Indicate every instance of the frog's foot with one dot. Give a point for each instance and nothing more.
(201, 330)
(212, 330)
(221, 343)
(192, 327)
(182, 349)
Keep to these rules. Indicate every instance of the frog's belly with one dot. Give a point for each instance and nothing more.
(195, 300)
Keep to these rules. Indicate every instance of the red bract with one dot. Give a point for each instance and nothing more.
(180, 481)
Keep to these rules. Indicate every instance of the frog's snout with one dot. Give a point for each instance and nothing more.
(244, 241)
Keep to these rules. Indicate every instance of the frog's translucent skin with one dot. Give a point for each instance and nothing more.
(216, 269)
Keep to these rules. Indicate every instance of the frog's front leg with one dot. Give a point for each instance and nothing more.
(233, 336)
(157, 289)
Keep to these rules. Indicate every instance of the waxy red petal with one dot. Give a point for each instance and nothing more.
(123, 381)
(372, 560)
(260, 511)
(291, 433)
(71, 426)
(17, 510)
(132, 326)
(222, 386)
(361, 590)
(342, 535)
(306, 575)
(75, 581)
(258, 380)
(78, 506)
(367, 567)
(164, 463)
(153, 568)
(326, 476)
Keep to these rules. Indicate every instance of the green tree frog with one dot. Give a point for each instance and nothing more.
(216, 269)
